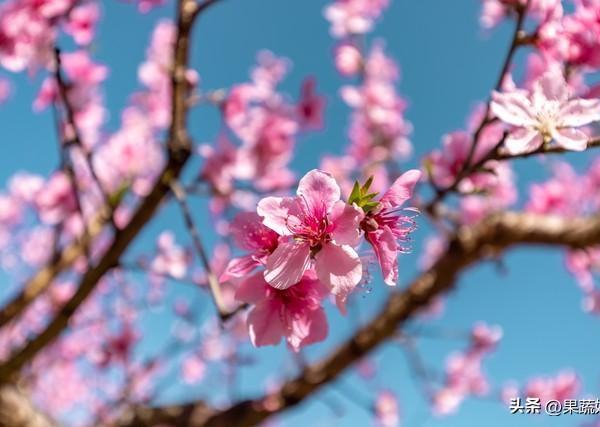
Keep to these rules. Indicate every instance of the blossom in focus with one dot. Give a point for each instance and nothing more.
(249, 233)
(317, 227)
(547, 113)
(384, 224)
(294, 313)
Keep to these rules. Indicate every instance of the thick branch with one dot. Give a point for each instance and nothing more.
(17, 410)
(467, 247)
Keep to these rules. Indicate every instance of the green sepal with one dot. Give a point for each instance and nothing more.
(361, 197)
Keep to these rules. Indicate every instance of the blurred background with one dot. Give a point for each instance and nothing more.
(448, 64)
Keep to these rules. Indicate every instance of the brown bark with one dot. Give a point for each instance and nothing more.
(16, 410)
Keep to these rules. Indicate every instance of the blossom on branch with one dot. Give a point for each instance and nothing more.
(386, 227)
(294, 313)
(547, 113)
(317, 227)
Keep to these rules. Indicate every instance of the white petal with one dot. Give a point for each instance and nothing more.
(523, 141)
(551, 86)
(513, 108)
(571, 139)
(579, 112)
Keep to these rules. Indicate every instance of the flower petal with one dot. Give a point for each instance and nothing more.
(287, 264)
(264, 324)
(252, 290)
(513, 108)
(346, 219)
(249, 232)
(523, 141)
(239, 267)
(275, 212)
(339, 268)
(551, 86)
(309, 328)
(571, 139)
(386, 249)
(579, 112)
(319, 189)
(402, 189)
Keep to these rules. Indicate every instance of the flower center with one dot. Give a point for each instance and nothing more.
(547, 118)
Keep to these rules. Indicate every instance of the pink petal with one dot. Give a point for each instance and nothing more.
(352, 96)
(580, 112)
(339, 268)
(513, 108)
(287, 264)
(551, 86)
(570, 139)
(402, 189)
(193, 369)
(523, 141)
(309, 328)
(239, 267)
(275, 212)
(252, 290)
(386, 249)
(346, 219)
(249, 232)
(319, 189)
(264, 324)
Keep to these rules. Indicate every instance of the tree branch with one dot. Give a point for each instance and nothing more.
(179, 150)
(468, 246)
(76, 136)
(17, 410)
(213, 281)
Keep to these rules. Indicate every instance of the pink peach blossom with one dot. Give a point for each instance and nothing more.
(294, 312)
(81, 24)
(350, 17)
(386, 227)
(171, 259)
(387, 409)
(321, 229)
(547, 113)
(249, 233)
(348, 59)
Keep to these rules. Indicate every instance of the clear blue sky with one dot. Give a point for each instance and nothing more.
(447, 64)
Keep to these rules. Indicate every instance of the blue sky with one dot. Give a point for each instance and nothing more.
(448, 63)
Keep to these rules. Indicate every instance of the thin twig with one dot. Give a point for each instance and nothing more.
(76, 140)
(486, 120)
(213, 282)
